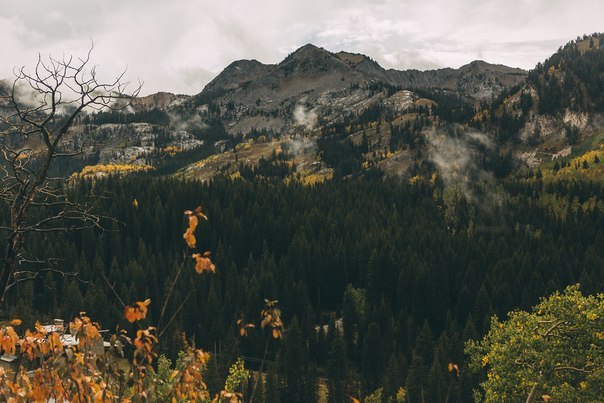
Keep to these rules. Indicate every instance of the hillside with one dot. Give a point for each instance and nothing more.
(558, 108)
(359, 118)
(312, 93)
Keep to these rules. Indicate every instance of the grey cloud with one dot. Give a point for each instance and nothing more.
(171, 45)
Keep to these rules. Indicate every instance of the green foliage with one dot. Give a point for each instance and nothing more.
(375, 397)
(557, 349)
(238, 376)
(337, 370)
(163, 379)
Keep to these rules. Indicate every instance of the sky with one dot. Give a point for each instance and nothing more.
(180, 45)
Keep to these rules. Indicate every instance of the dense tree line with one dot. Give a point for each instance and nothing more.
(448, 106)
(379, 282)
(571, 78)
(152, 116)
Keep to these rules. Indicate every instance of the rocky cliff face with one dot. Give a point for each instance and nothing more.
(160, 100)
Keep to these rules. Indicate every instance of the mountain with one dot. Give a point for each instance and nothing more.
(160, 100)
(328, 71)
(559, 106)
(342, 113)
(335, 85)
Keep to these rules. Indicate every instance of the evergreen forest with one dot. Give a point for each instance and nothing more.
(380, 282)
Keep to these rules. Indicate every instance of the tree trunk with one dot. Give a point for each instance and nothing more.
(531, 396)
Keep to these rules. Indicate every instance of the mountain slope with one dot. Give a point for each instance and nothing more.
(334, 86)
(559, 107)
(355, 116)
(328, 68)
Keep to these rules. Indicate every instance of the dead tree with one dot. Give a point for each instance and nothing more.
(37, 114)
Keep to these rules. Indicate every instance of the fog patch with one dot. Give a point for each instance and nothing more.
(191, 122)
(304, 117)
(301, 146)
(457, 160)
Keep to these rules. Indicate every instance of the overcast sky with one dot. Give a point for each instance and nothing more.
(180, 45)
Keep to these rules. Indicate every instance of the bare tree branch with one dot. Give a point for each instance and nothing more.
(40, 109)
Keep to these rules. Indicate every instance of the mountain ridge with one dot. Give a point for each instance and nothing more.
(362, 67)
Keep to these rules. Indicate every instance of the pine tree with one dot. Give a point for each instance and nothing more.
(393, 377)
(294, 363)
(337, 370)
(373, 358)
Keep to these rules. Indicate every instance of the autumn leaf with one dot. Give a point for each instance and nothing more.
(189, 238)
(200, 214)
(143, 346)
(8, 340)
(130, 314)
(271, 318)
(193, 221)
(203, 264)
(453, 367)
(136, 312)
(244, 327)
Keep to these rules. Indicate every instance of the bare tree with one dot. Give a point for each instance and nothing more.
(37, 114)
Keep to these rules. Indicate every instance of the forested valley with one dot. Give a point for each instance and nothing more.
(380, 282)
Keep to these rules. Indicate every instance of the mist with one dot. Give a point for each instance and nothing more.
(304, 117)
(301, 146)
(456, 159)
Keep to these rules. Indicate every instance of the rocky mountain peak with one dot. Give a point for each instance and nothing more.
(311, 60)
(237, 73)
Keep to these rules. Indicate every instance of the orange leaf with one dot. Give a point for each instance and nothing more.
(137, 312)
(200, 214)
(203, 263)
(129, 314)
(193, 221)
(190, 238)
